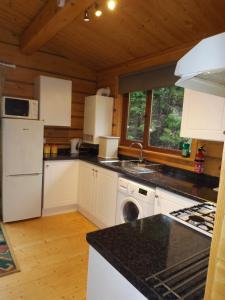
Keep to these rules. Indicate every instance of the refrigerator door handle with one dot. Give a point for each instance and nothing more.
(32, 174)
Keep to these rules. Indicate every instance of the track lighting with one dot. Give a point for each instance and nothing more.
(86, 16)
(98, 11)
(111, 4)
(94, 8)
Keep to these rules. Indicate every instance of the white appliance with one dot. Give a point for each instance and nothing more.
(108, 147)
(134, 201)
(22, 159)
(19, 108)
(98, 113)
(203, 67)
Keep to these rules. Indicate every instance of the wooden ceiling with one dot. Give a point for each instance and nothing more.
(135, 29)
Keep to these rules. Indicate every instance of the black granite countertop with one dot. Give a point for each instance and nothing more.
(145, 247)
(198, 187)
(185, 183)
(61, 157)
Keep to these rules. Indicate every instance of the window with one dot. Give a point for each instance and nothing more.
(154, 118)
(136, 116)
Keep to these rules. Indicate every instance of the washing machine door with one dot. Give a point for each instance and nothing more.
(130, 210)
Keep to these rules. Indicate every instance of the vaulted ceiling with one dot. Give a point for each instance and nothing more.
(135, 29)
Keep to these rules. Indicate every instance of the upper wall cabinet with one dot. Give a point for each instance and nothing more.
(55, 97)
(203, 116)
(98, 113)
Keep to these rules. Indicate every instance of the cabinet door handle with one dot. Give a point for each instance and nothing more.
(31, 174)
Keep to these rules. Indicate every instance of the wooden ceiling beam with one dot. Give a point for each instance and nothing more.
(49, 22)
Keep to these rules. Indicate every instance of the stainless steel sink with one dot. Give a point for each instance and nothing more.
(120, 163)
(133, 166)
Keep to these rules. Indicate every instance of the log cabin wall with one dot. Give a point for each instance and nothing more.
(110, 78)
(20, 82)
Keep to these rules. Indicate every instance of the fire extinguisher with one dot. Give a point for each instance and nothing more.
(199, 160)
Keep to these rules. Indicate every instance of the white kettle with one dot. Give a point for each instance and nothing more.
(75, 145)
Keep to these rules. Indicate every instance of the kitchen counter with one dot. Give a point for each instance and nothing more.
(198, 187)
(61, 157)
(141, 249)
(185, 183)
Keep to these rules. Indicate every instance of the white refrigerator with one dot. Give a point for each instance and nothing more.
(22, 163)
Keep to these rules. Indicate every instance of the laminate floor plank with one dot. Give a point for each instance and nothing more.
(52, 254)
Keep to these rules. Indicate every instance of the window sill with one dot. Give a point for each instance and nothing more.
(160, 157)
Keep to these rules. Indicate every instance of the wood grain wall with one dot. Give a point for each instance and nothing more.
(110, 77)
(20, 82)
(215, 286)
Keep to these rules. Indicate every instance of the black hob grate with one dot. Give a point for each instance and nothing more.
(185, 280)
(201, 216)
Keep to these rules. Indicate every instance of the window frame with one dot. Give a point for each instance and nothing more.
(125, 112)
(147, 117)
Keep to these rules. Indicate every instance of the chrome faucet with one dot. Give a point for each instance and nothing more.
(141, 150)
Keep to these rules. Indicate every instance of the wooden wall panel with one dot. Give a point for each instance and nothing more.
(215, 287)
(213, 156)
(19, 89)
(218, 292)
(27, 75)
(20, 82)
(41, 61)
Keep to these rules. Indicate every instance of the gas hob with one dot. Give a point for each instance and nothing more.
(199, 217)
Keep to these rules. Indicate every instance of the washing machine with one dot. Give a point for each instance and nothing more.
(134, 201)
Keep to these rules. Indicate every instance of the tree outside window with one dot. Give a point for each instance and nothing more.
(154, 118)
(136, 116)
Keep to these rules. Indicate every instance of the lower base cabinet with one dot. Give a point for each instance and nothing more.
(73, 184)
(166, 202)
(60, 186)
(97, 194)
(105, 282)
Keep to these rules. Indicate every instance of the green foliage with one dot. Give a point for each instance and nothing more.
(165, 124)
(166, 112)
(137, 104)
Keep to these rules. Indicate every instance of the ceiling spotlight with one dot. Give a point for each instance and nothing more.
(111, 4)
(60, 3)
(98, 11)
(86, 16)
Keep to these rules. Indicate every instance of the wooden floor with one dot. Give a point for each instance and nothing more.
(52, 254)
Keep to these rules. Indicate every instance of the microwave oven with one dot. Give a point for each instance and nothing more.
(19, 108)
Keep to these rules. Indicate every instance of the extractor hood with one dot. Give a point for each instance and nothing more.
(203, 67)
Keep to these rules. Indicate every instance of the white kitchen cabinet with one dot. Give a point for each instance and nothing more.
(166, 202)
(60, 186)
(203, 116)
(106, 283)
(106, 195)
(86, 186)
(98, 113)
(97, 194)
(55, 96)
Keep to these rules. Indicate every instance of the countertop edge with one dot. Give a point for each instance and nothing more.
(126, 273)
(138, 282)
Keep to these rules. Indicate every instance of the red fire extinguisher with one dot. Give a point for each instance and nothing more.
(199, 160)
